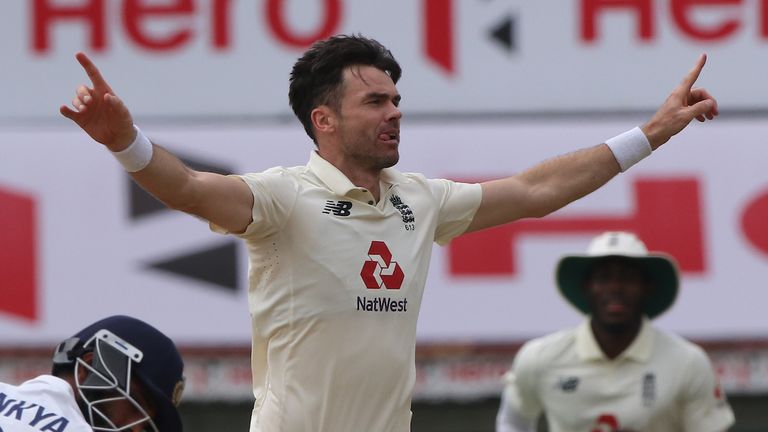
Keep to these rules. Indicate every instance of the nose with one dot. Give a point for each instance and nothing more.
(394, 113)
(614, 284)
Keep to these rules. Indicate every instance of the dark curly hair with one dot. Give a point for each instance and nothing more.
(316, 78)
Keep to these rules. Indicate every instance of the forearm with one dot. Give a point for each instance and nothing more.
(559, 181)
(169, 180)
(545, 187)
(223, 200)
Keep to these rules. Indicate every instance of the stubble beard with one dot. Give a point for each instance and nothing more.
(374, 161)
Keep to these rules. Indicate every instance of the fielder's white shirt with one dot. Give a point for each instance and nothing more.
(660, 383)
(336, 282)
(42, 404)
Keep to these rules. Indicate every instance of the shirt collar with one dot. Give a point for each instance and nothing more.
(639, 350)
(340, 184)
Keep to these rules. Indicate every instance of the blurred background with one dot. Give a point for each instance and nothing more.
(489, 88)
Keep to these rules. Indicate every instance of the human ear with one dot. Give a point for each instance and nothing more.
(323, 119)
(81, 371)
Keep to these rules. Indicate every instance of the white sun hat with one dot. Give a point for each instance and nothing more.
(661, 269)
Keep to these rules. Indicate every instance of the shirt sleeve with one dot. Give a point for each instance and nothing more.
(704, 407)
(274, 195)
(458, 203)
(520, 405)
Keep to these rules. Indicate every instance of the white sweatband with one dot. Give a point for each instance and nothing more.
(136, 156)
(629, 148)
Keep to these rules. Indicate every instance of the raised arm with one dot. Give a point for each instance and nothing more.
(225, 201)
(554, 183)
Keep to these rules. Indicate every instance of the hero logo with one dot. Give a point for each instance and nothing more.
(184, 29)
(380, 270)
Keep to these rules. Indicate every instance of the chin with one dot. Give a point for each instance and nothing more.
(617, 323)
(390, 161)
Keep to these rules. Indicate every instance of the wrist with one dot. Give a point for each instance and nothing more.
(629, 148)
(653, 133)
(123, 141)
(137, 155)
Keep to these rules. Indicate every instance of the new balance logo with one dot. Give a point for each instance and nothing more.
(568, 384)
(338, 208)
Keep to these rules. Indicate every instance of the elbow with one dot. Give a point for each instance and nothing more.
(178, 188)
(183, 199)
(179, 205)
(546, 201)
(540, 212)
(541, 208)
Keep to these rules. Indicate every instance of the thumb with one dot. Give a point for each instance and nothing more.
(68, 112)
(700, 108)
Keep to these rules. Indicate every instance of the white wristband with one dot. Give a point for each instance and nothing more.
(629, 148)
(136, 156)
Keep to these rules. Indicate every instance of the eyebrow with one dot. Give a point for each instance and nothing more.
(381, 95)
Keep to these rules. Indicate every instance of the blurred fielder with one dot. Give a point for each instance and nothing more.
(339, 248)
(615, 371)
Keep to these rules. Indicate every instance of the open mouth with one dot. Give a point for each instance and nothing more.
(392, 136)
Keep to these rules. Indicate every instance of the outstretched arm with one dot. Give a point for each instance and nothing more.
(225, 201)
(554, 183)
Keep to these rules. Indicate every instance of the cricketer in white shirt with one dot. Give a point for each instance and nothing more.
(336, 282)
(615, 372)
(661, 383)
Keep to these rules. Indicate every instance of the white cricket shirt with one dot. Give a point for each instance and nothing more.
(336, 282)
(660, 383)
(45, 403)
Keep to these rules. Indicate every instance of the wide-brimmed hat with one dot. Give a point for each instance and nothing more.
(660, 268)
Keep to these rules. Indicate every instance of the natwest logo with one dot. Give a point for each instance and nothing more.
(380, 270)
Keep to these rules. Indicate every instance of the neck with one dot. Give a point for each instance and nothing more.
(358, 174)
(613, 339)
(364, 179)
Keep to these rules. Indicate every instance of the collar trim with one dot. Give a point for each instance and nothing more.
(340, 184)
(639, 350)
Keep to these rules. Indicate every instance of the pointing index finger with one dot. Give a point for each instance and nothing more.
(693, 74)
(93, 73)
